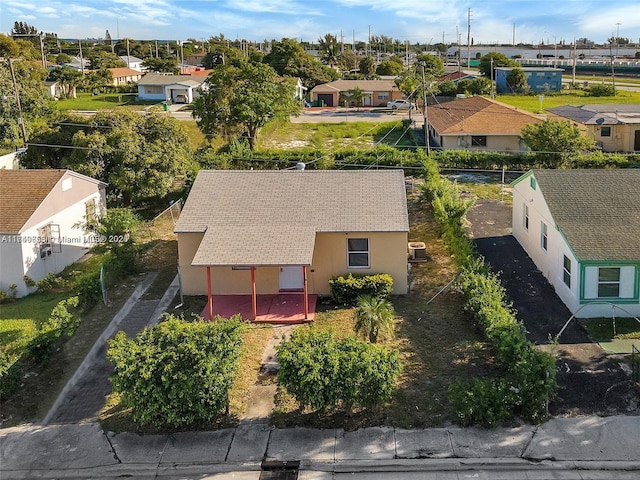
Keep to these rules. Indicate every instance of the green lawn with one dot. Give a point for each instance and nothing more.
(601, 329)
(531, 103)
(87, 101)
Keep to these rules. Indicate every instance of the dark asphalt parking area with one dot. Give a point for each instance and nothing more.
(590, 382)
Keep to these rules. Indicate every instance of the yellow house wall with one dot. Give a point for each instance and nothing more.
(387, 254)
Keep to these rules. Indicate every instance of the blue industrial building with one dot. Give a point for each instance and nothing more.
(539, 79)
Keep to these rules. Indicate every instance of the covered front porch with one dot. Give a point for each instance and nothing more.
(270, 308)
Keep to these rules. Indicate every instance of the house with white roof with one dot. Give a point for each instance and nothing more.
(582, 228)
(267, 232)
(170, 88)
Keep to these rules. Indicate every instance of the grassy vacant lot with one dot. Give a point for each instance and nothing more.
(531, 103)
(438, 345)
(331, 136)
(88, 101)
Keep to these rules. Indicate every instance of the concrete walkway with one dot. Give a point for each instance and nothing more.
(85, 394)
(567, 444)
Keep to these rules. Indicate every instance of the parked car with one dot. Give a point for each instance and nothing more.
(181, 98)
(401, 105)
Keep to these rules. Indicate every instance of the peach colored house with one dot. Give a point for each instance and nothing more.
(266, 232)
(376, 92)
(125, 76)
(478, 123)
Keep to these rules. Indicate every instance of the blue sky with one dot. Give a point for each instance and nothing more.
(425, 21)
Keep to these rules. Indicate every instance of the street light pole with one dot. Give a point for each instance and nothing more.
(18, 104)
(424, 113)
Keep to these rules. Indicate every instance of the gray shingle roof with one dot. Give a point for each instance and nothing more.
(271, 217)
(600, 114)
(598, 211)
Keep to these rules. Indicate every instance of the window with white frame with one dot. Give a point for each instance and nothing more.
(383, 95)
(608, 282)
(358, 252)
(566, 271)
(543, 236)
(525, 216)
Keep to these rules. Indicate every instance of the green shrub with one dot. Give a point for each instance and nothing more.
(374, 318)
(10, 375)
(321, 372)
(602, 90)
(50, 282)
(28, 281)
(89, 289)
(60, 322)
(177, 373)
(486, 402)
(345, 289)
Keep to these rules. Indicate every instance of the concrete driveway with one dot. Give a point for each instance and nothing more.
(590, 381)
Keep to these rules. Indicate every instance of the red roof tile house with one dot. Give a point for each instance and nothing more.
(376, 92)
(478, 123)
(38, 213)
(263, 232)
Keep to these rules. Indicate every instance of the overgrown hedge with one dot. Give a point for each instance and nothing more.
(322, 372)
(345, 289)
(177, 373)
(530, 380)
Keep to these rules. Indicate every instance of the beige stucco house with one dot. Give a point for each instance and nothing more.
(376, 92)
(615, 127)
(478, 123)
(581, 229)
(39, 213)
(265, 232)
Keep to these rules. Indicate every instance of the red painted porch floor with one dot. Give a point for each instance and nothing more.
(280, 308)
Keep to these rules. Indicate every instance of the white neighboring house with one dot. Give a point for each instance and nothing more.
(38, 211)
(11, 161)
(171, 88)
(134, 63)
(582, 230)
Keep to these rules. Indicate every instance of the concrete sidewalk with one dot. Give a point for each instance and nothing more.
(85, 451)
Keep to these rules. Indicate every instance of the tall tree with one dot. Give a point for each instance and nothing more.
(34, 102)
(367, 66)
(288, 58)
(499, 60)
(242, 99)
(433, 65)
(162, 65)
(139, 156)
(329, 49)
(517, 80)
(556, 140)
(99, 60)
(68, 78)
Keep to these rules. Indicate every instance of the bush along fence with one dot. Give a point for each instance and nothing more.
(530, 376)
(386, 156)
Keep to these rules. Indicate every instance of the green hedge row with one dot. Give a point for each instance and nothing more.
(322, 372)
(345, 289)
(530, 380)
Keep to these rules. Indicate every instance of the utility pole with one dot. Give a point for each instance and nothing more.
(573, 73)
(617, 38)
(514, 34)
(369, 44)
(19, 105)
(341, 42)
(424, 112)
(81, 59)
(128, 60)
(44, 60)
(469, 38)
(491, 78)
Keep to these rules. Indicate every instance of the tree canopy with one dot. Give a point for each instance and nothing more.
(139, 156)
(557, 139)
(34, 102)
(517, 80)
(288, 58)
(240, 100)
(499, 60)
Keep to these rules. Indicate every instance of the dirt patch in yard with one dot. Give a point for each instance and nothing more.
(590, 382)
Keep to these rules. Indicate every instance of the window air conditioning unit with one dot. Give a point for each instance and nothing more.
(417, 251)
(45, 250)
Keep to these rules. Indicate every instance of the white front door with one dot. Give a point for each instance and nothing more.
(291, 278)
